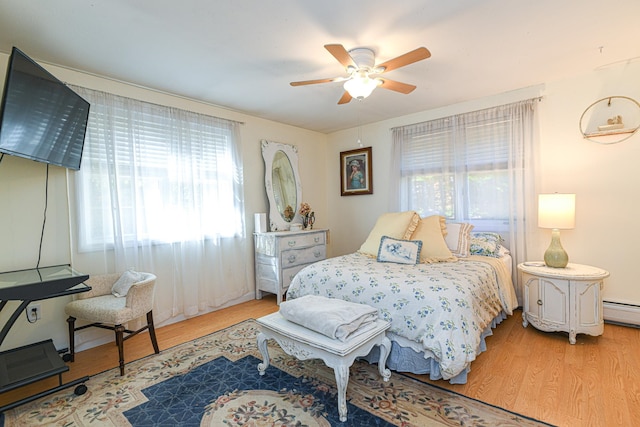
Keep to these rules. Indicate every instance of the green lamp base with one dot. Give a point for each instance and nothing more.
(555, 256)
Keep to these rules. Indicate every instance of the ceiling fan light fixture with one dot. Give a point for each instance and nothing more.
(360, 66)
(360, 87)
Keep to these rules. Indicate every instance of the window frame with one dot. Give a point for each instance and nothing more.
(448, 142)
(175, 153)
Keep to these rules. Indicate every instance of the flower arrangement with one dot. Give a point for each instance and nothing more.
(308, 217)
(305, 209)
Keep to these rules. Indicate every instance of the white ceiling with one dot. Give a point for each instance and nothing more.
(242, 54)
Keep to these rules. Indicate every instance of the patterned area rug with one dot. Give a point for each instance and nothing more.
(214, 381)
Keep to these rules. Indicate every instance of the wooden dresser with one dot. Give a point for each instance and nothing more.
(281, 254)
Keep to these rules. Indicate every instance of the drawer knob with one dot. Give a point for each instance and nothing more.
(292, 243)
(317, 254)
(316, 239)
(539, 302)
(292, 259)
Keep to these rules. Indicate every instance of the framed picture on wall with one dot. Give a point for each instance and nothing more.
(356, 173)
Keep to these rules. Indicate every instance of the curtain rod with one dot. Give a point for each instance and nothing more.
(537, 98)
(162, 105)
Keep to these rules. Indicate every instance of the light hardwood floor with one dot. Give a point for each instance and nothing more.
(593, 383)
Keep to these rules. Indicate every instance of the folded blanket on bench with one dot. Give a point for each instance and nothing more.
(335, 318)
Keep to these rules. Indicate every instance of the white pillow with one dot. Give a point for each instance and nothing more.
(458, 238)
(124, 283)
(399, 251)
(397, 225)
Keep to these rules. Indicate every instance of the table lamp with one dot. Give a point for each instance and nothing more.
(556, 211)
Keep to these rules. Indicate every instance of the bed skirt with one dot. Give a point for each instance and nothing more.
(406, 357)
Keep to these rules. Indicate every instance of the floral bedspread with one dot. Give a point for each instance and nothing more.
(443, 306)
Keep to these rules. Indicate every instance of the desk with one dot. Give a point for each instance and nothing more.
(34, 362)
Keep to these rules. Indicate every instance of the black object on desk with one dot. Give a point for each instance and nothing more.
(34, 362)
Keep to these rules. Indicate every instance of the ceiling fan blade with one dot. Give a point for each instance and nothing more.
(408, 58)
(397, 86)
(340, 53)
(345, 98)
(312, 82)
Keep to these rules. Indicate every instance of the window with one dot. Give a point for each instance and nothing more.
(462, 167)
(156, 174)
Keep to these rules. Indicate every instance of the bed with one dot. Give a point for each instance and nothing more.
(441, 307)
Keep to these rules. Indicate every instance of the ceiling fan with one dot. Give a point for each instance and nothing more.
(363, 74)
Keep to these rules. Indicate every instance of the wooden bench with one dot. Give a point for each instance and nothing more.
(302, 343)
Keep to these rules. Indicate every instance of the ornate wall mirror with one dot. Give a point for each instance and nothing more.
(282, 183)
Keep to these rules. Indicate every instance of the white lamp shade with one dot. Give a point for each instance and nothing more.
(556, 211)
(360, 87)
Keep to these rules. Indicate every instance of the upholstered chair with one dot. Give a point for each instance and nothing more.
(103, 309)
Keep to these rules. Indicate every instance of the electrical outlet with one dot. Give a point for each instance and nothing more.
(34, 312)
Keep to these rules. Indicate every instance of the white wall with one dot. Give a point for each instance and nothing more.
(22, 184)
(604, 177)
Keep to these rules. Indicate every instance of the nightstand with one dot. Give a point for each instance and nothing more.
(563, 299)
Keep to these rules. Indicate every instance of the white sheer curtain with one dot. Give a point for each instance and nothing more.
(160, 190)
(477, 167)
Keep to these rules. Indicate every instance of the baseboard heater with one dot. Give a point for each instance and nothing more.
(616, 312)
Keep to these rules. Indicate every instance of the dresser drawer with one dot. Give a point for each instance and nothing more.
(295, 257)
(289, 273)
(302, 240)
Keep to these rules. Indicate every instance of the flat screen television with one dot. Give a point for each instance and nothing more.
(40, 117)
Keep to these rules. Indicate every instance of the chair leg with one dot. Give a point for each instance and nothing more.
(120, 342)
(71, 321)
(152, 332)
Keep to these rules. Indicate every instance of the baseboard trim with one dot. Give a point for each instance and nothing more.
(615, 312)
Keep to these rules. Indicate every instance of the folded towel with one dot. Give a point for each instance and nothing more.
(335, 318)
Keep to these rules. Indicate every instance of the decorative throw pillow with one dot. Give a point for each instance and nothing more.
(124, 283)
(399, 251)
(430, 231)
(459, 238)
(398, 225)
(486, 244)
(503, 251)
